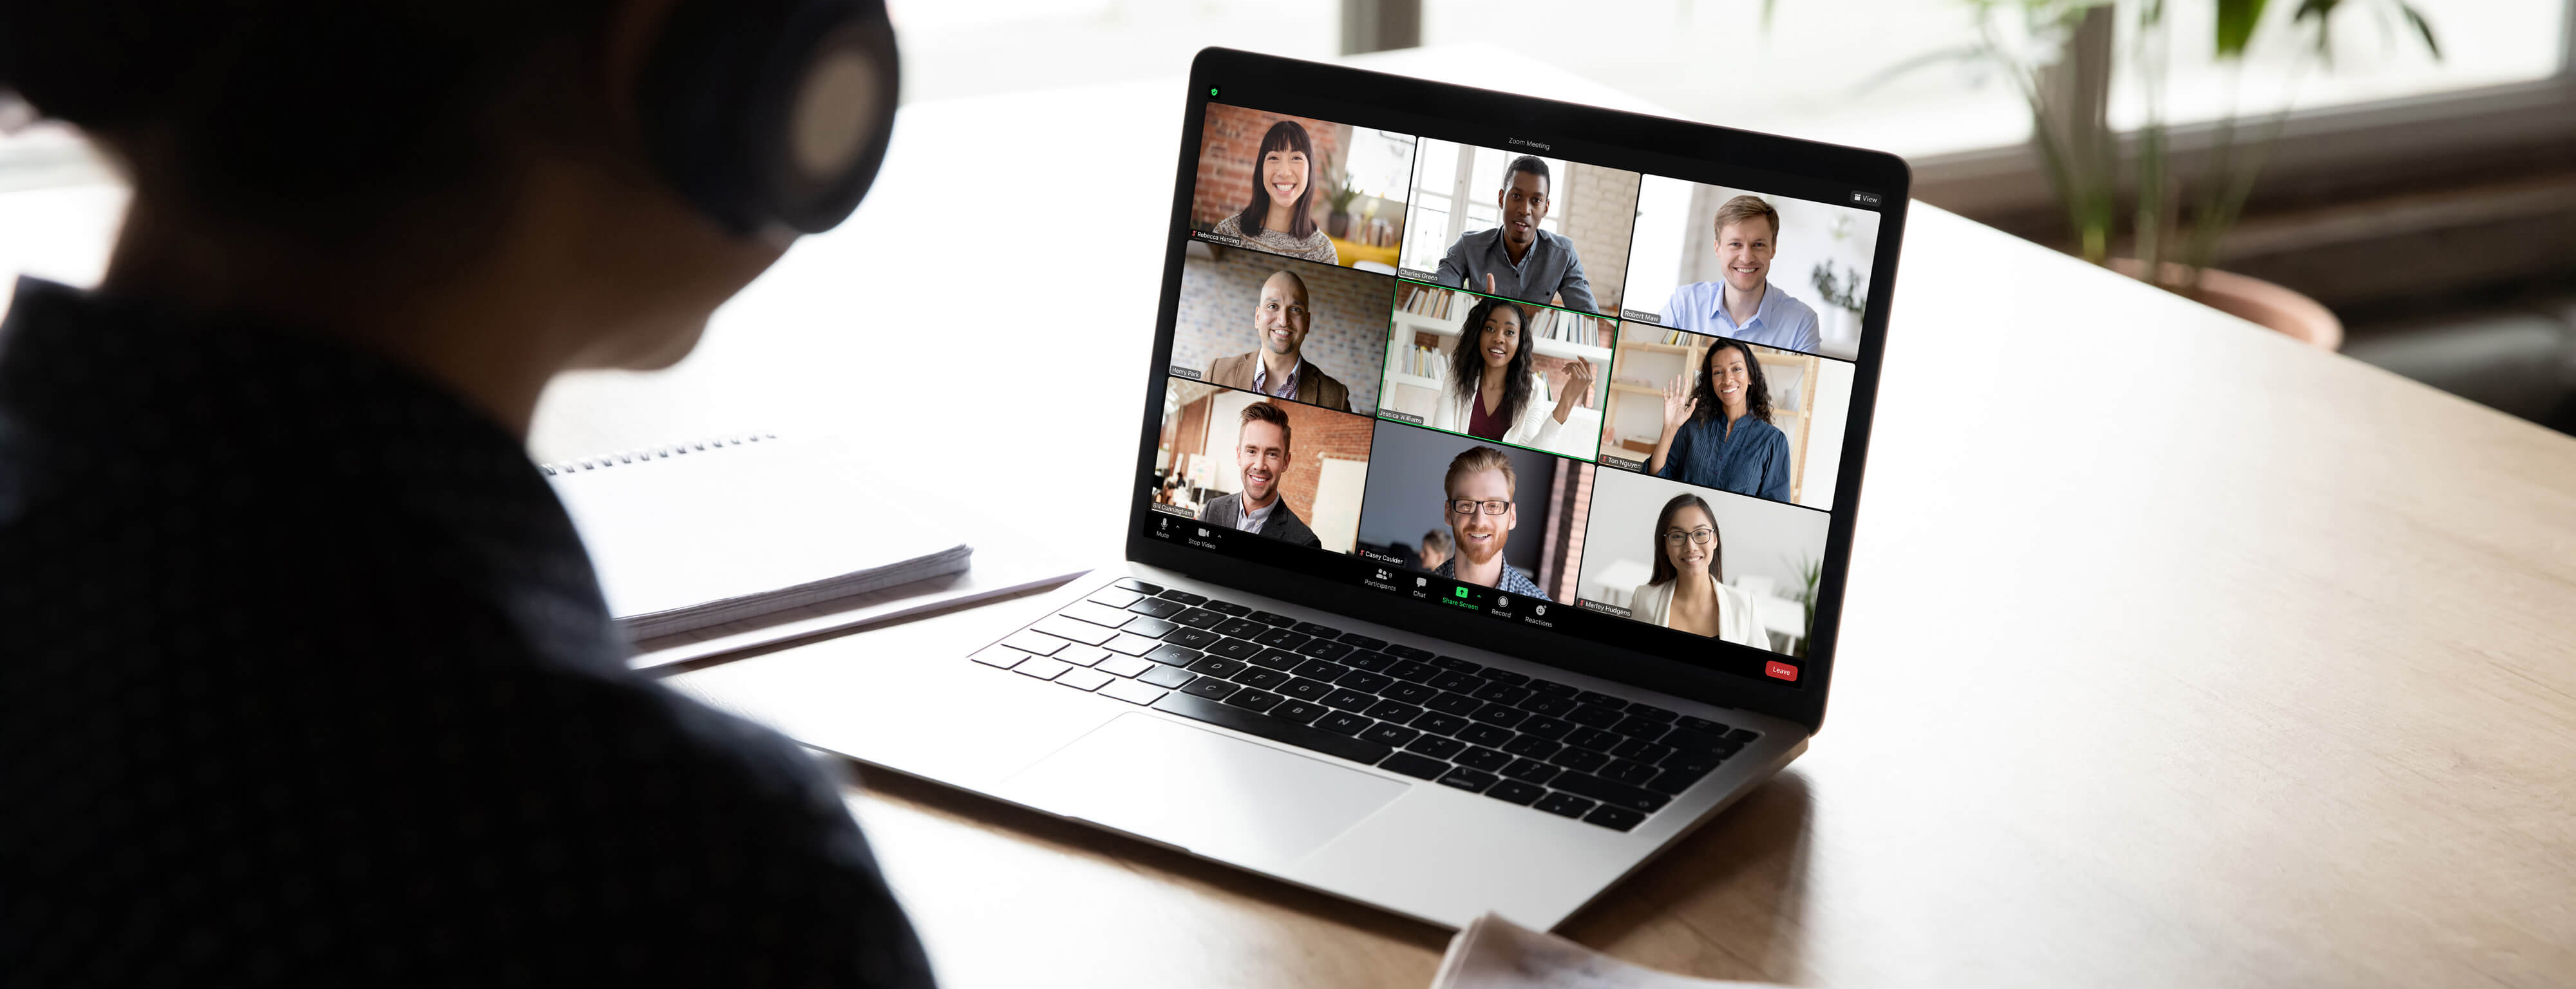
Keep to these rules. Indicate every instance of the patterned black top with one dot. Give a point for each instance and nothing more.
(305, 679)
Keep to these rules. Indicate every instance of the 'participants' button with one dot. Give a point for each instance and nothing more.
(1779, 670)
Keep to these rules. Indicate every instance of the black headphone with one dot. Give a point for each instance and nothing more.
(771, 115)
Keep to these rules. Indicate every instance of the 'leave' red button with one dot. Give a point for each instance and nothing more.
(1780, 670)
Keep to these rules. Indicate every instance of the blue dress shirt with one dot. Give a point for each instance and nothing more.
(1753, 461)
(1780, 321)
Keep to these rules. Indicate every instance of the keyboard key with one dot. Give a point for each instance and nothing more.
(1406, 669)
(1671, 782)
(1240, 628)
(1594, 715)
(1500, 715)
(1470, 780)
(1349, 700)
(1113, 597)
(1545, 727)
(1439, 724)
(1343, 723)
(1041, 667)
(1408, 652)
(1137, 586)
(1255, 676)
(1394, 710)
(1035, 644)
(1483, 735)
(1689, 739)
(1552, 688)
(1690, 762)
(1218, 667)
(1271, 618)
(1227, 608)
(1175, 655)
(1235, 649)
(1388, 734)
(1459, 704)
(1650, 712)
(1307, 690)
(1364, 681)
(1080, 679)
(1255, 700)
(1198, 618)
(1366, 660)
(1531, 770)
(1702, 725)
(1418, 767)
(1321, 649)
(1505, 676)
(1280, 638)
(1547, 704)
(1210, 688)
(1151, 628)
(1531, 746)
(1614, 818)
(1515, 792)
(1165, 676)
(1593, 738)
(1065, 628)
(1584, 760)
(1157, 608)
(1097, 614)
(1130, 645)
(1316, 669)
(1410, 693)
(1362, 641)
(1615, 794)
(1640, 727)
(1454, 663)
(1301, 712)
(1435, 746)
(1563, 804)
(1457, 683)
(1003, 657)
(1081, 655)
(1641, 751)
(1743, 736)
(1482, 758)
(1501, 693)
(1277, 659)
(1183, 597)
(1631, 773)
(1125, 666)
(1274, 729)
(1319, 631)
(1605, 700)
(1133, 692)
(1188, 638)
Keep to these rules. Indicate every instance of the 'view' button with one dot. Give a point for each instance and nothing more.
(1779, 670)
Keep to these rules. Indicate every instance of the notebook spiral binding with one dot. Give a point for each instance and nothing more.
(651, 453)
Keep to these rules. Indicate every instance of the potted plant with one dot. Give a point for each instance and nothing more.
(1338, 195)
(1845, 291)
(2061, 55)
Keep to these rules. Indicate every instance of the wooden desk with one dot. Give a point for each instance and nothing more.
(2290, 701)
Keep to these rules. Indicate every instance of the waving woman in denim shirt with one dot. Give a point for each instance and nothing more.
(1718, 432)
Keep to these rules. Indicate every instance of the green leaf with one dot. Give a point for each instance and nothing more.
(2236, 21)
(2422, 27)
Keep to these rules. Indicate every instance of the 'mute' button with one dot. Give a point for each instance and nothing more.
(1780, 670)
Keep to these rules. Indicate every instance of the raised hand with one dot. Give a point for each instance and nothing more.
(1679, 403)
(1578, 384)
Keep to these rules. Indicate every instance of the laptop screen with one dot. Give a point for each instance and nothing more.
(1501, 379)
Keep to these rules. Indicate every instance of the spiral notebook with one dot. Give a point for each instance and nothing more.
(695, 535)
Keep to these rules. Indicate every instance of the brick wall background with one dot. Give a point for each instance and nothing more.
(1563, 560)
(1347, 336)
(1600, 206)
(1230, 147)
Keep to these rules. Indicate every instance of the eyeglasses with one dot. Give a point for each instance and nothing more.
(1698, 537)
(1464, 507)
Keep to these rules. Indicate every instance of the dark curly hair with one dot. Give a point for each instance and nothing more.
(1467, 362)
(1757, 392)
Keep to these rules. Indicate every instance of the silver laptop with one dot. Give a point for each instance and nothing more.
(1493, 498)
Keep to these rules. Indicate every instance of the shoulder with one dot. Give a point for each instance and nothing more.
(1560, 242)
(1792, 310)
(1231, 226)
(1767, 433)
(1221, 507)
(1228, 371)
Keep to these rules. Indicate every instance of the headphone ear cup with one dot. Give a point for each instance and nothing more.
(771, 115)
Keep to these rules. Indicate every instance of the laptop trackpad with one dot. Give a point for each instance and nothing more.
(1217, 796)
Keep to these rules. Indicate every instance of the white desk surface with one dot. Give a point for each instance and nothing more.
(2291, 700)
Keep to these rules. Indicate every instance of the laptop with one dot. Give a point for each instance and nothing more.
(1494, 497)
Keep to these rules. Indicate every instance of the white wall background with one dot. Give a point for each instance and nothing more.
(1760, 540)
(1677, 237)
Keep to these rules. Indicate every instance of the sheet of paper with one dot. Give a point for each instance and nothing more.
(1494, 953)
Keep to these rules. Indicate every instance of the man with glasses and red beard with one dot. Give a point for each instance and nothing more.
(1262, 452)
(1477, 499)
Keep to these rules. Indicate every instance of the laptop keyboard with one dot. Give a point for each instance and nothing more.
(1518, 739)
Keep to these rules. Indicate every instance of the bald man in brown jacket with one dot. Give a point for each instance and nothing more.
(1279, 367)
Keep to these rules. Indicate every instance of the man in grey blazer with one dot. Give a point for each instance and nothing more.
(1516, 259)
(1262, 453)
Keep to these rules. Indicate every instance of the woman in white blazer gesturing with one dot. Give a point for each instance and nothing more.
(1492, 391)
(1687, 590)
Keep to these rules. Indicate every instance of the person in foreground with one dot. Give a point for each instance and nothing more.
(305, 677)
(1477, 498)
(1744, 304)
(1516, 259)
(1687, 590)
(1491, 388)
(1263, 456)
(1277, 364)
(1718, 431)
(1281, 216)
